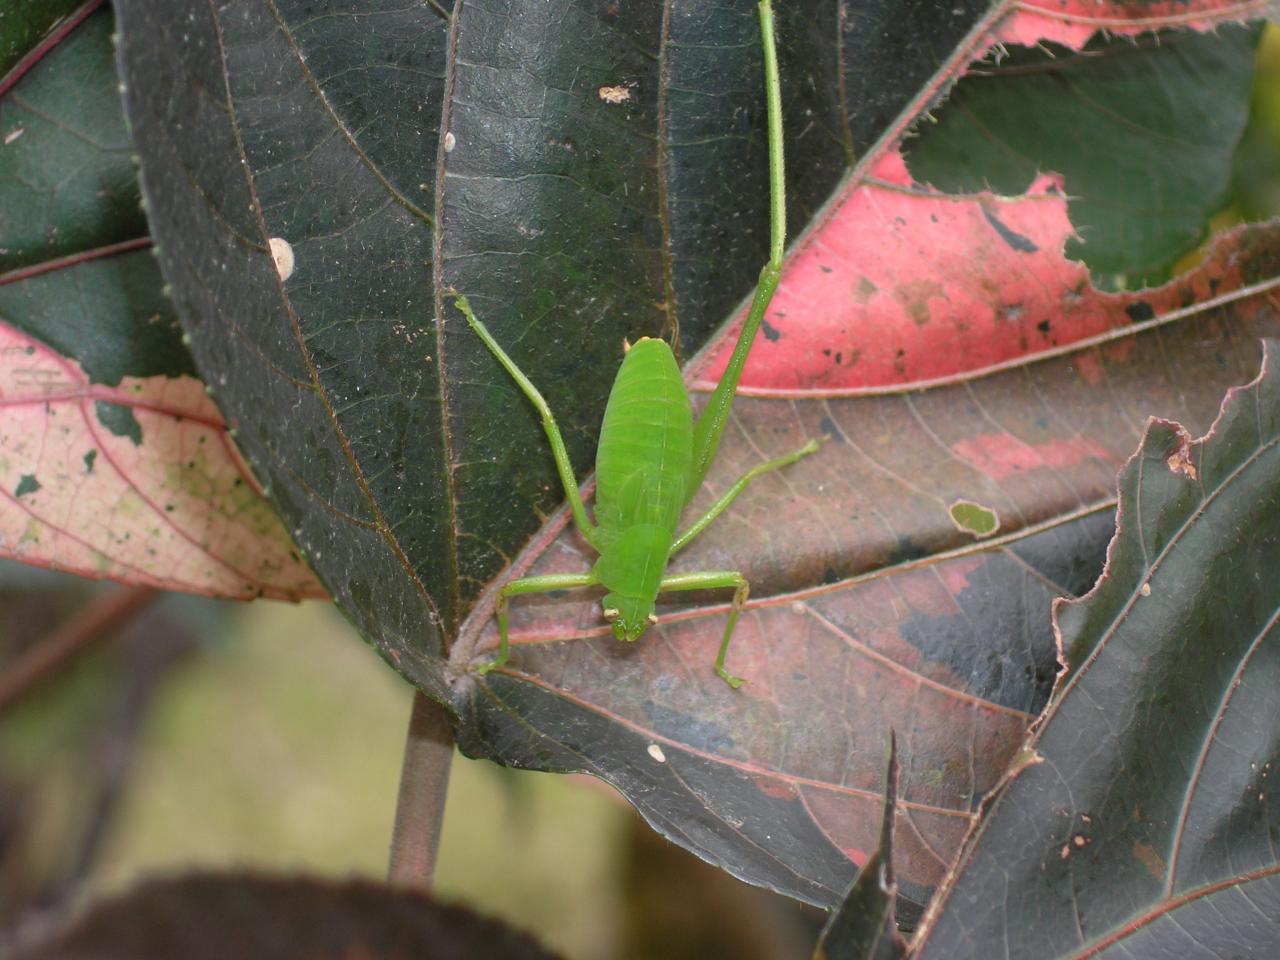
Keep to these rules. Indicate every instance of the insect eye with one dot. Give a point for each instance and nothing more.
(611, 614)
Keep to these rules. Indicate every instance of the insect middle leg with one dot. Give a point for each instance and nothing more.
(713, 580)
(542, 584)
(731, 494)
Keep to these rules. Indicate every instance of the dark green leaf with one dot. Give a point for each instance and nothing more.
(572, 217)
(25, 25)
(1170, 108)
(73, 269)
(107, 313)
(1143, 822)
(66, 182)
(333, 376)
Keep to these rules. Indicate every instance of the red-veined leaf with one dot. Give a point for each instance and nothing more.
(139, 482)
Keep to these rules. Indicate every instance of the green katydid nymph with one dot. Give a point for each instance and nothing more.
(652, 458)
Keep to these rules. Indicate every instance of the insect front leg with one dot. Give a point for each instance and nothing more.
(558, 451)
(713, 580)
(543, 584)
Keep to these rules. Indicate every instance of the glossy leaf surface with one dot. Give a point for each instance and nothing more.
(1141, 823)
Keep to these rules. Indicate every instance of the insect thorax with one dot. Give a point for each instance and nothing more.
(631, 569)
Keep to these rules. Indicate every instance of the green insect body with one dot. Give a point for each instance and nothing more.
(642, 472)
(652, 458)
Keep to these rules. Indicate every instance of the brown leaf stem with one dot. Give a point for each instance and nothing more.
(43, 661)
(424, 783)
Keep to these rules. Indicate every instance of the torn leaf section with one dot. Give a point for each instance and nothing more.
(1142, 130)
(974, 518)
(139, 483)
(1153, 811)
(1180, 459)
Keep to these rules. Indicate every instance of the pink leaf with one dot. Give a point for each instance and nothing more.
(139, 483)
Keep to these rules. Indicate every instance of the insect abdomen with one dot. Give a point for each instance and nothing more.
(646, 443)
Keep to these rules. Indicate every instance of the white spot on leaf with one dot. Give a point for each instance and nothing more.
(655, 751)
(450, 141)
(282, 254)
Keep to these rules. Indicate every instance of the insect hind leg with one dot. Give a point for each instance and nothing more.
(713, 580)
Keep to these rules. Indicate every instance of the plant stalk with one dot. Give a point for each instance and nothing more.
(424, 783)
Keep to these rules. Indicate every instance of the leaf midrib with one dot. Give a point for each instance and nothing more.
(383, 528)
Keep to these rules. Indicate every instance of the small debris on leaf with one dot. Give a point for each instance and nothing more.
(615, 95)
(282, 254)
(1180, 460)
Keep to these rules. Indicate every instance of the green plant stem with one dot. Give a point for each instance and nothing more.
(424, 783)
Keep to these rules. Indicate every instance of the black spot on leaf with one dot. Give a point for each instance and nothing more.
(1016, 241)
(119, 420)
(905, 551)
(1140, 311)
